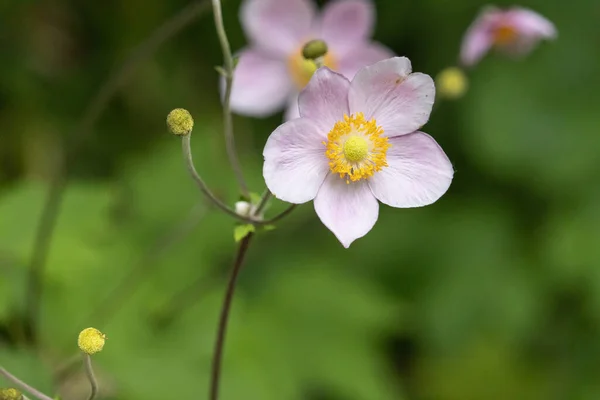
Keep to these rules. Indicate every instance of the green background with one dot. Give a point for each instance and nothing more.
(491, 293)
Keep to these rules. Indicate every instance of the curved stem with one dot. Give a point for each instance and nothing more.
(187, 155)
(78, 137)
(89, 372)
(264, 200)
(224, 318)
(23, 386)
(227, 118)
(281, 215)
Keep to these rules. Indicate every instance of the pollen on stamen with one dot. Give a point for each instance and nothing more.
(356, 148)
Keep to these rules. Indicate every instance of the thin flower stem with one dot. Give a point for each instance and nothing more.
(23, 386)
(187, 155)
(78, 138)
(264, 200)
(267, 195)
(224, 318)
(227, 117)
(89, 372)
(281, 215)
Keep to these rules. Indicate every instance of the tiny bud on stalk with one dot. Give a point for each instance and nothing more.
(243, 208)
(10, 394)
(180, 122)
(314, 50)
(91, 341)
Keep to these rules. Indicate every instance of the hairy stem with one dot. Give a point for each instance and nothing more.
(227, 117)
(23, 386)
(77, 139)
(89, 372)
(224, 318)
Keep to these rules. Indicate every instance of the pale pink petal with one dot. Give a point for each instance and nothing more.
(261, 84)
(418, 172)
(295, 162)
(325, 99)
(530, 23)
(277, 26)
(479, 37)
(347, 210)
(399, 101)
(347, 22)
(292, 111)
(360, 56)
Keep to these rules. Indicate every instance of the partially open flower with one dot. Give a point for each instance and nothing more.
(514, 31)
(358, 142)
(272, 69)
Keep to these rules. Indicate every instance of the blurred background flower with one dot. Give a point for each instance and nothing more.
(272, 70)
(514, 31)
(491, 293)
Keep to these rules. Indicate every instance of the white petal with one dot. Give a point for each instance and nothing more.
(348, 210)
(277, 26)
(400, 102)
(295, 162)
(325, 98)
(261, 84)
(418, 174)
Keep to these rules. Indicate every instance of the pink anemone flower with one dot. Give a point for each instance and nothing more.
(356, 143)
(515, 31)
(271, 70)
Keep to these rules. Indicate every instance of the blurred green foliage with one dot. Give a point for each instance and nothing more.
(491, 293)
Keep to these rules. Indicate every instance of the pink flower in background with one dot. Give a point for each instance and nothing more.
(356, 143)
(516, 31)
(271, 70)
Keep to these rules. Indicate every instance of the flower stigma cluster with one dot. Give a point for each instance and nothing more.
(356, 148)
(91, 341)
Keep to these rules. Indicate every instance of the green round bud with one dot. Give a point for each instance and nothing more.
(180, 122)
(314, 49)
(10, 394)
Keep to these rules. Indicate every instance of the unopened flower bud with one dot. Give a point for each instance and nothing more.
(452, 83)
(243, 208)
(91, 341)
(314, 50)
(180, 122)
(10, 394)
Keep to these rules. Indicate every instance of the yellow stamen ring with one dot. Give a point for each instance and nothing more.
(356, 148)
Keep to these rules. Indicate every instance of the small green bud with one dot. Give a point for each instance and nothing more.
(10, 394)
(314, 50)
(180, 122)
